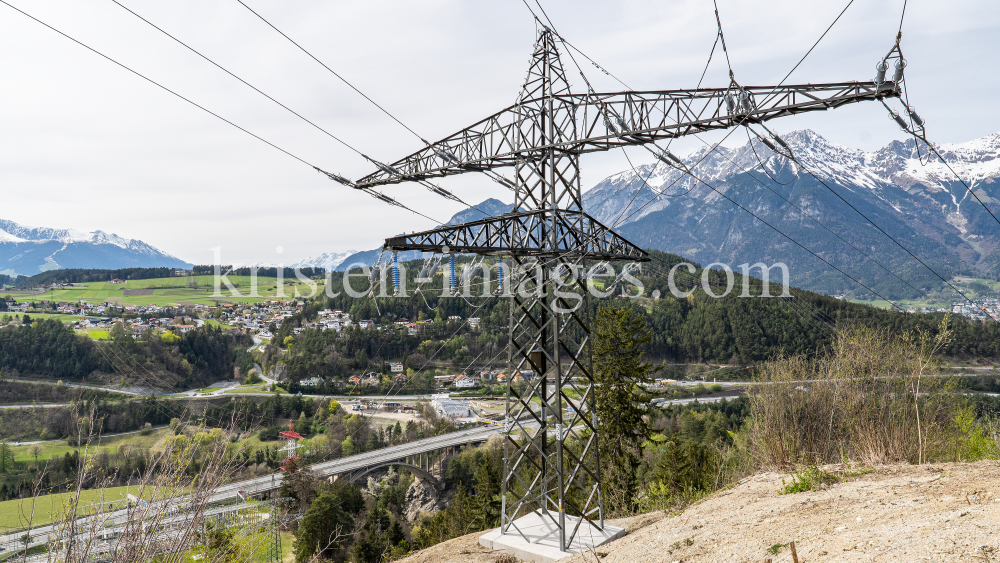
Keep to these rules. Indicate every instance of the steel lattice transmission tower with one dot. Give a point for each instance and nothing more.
(555, 472)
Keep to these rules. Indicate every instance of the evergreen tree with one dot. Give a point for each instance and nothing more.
(325, 529)
(6, 457)
(487, 500)
(620, 334)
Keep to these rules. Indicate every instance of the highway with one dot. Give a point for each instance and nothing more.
(361, 461)
(40, 535)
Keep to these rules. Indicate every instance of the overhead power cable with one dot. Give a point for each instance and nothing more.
(718, 21)
(388, 169)
(155, 83)
(933, 149)
(385, 168)
(342, 79)
(722, 38)
(797, 243)
(223, 69)
(730, 132)
(688, 170)
(798, 64)
(370, 192)
(817, 221)
(960, 179)
(436, 189)
(881, 230)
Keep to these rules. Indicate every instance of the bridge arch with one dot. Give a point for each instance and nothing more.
(418, 471)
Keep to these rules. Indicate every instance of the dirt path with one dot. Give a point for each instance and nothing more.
(935, 513)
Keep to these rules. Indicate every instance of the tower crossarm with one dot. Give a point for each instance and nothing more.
(544, 232)
(607, 121)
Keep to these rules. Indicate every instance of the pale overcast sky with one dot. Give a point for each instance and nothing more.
(87, 145)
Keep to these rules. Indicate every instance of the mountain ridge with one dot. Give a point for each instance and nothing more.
(923, 207)
(29, 250)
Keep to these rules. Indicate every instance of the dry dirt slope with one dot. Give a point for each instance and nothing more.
(936, 513)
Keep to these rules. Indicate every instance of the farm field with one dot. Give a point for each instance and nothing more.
(58, 449)
(43, 316)
(95, 333)
(905, 304)
(168, 291)
(13, 513)
(248, 389)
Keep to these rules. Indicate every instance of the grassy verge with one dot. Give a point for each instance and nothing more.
(248, 389)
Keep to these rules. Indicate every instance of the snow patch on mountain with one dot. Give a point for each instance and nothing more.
(7, 237)
(20, 248)
(327, 260)
(629, 196)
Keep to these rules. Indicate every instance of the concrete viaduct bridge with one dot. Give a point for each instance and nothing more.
(419, 456)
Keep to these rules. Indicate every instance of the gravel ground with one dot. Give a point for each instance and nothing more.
(936, 513)
(942, 512)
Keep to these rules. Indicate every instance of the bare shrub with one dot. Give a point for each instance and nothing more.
(875, 398)
(170, 514)
(505, 557)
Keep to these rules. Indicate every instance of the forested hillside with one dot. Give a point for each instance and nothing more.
(51, 349)
(84, 275)
(697, 328)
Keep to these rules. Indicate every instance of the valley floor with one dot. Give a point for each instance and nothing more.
(941, 512)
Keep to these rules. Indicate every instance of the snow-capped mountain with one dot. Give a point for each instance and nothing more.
(914, 199)
(30, 250)
(327, 260)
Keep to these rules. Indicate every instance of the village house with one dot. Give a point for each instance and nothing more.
(465, 381)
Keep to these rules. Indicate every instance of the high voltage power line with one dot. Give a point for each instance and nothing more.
(719, 37)
(370, 191)
(714, 147)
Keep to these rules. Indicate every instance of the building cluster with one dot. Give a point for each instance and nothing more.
(485, 377)
(372, 379)
(256, 317)
(339, 320)
(178, 323)
(86, 308)
(981, 310)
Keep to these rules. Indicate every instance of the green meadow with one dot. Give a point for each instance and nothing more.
(168, 291)
(14, 514)
(55, 450)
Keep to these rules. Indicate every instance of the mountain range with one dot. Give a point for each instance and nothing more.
(894, 222)
(327, 260)
(892, 219)
(30, 250)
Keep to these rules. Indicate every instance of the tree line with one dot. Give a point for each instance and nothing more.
(51, 349)
(85, 275)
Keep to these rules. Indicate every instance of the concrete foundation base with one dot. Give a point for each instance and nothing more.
(536, 538)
